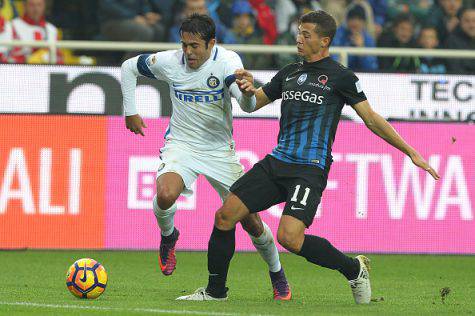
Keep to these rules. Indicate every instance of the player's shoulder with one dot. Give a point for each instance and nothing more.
(222, 54)
(289, 68)
(168, 58)
(339, 68)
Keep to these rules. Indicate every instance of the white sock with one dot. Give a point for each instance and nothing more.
(164, 217)
(265, 245)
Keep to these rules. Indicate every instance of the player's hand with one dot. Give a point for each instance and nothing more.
(135, 124)
(245, 82)
(421, 163)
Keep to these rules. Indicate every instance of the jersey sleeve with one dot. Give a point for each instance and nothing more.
(349, 86)
(231, 64)
(156, 66)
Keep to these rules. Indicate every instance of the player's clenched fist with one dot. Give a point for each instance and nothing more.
(134, 123)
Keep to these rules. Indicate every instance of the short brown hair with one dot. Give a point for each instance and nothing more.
(326, 24)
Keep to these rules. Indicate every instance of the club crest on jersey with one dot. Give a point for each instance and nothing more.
(323, 79)
(212, 82)
(301, 79)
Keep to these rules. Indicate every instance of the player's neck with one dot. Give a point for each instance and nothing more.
(324, 53)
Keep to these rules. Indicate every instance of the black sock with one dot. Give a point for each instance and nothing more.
(220, 252)
(320, 251)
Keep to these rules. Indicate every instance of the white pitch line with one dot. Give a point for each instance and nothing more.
(134, 310)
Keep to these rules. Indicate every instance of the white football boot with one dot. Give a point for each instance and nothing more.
(201, 295)
(360, 286)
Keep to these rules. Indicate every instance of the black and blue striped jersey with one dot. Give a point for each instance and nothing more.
(313, 95)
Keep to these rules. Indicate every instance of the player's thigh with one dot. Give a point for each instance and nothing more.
(221, 172)
(304, 196)
(177, 161)
(257, 189)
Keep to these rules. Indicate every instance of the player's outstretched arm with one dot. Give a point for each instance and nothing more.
(128, 83)
(378, 125)
(245, 82)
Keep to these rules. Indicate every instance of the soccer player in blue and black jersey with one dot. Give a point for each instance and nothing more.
(313, 93)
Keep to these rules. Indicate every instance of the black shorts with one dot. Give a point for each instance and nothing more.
(272, 181)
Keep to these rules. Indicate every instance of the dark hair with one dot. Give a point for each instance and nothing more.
(325, 23)
(199, 24)
(403, 17)
(357, 12)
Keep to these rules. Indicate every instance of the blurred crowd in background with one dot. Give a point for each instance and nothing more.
(361, 23)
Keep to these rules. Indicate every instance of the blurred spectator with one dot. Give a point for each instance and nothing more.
(400, 35)
(430, 65)
(368, 11)
(77, 20)
(286, 9)
(245, 31)
(353, 33)
(130, 20)
(336, 8)
(33, 27)
(266, 20)
(7, 10)
(463, 37)
(418, 8)
(200, 7)
(380, 8)
(444, 16)
(224, 11)
(288, 38)
(162, 7)
(5, 35)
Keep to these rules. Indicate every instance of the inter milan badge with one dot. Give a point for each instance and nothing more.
(301, 79)
(212, 82)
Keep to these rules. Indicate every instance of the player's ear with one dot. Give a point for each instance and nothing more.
(325, 42)
(211, 43)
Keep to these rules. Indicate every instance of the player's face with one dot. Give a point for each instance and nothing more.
(194, 47)
(309, 43)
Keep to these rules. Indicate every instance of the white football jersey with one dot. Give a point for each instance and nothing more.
(201, 100)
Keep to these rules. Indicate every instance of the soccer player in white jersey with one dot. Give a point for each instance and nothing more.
(199, 137)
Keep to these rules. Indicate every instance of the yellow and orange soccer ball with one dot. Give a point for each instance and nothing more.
(86, 278)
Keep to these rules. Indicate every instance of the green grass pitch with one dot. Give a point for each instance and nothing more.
(33, 283)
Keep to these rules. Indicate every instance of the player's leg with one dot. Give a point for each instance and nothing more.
(220, 250)
(237, 206)
(299, 211)
(169, 187)
(260, 234)
(263, 239)
(174, 177)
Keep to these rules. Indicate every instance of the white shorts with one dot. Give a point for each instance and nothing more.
(221, 169)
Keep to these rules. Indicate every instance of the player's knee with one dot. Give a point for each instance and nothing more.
(166, 198)
(222, 220)
(252, 224)
(289, 240)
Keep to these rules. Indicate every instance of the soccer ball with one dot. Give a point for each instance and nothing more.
(86, 278)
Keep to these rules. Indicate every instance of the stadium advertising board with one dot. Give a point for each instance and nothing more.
(375, 201)
(87, 182)
(52, 192)
(96, 90)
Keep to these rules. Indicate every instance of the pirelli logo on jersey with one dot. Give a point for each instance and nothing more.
(199, 95)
